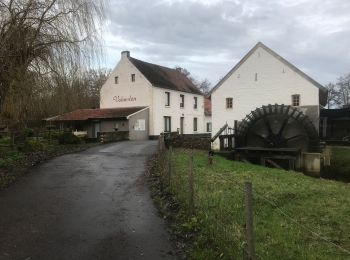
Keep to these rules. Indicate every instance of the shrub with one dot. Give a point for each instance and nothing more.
(68, 138)
(5, 140)
(32, 145)
(28, 132)
(340, 166)
(53, 134)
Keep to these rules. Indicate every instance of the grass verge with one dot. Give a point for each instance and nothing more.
(15, 162)
(295, 216)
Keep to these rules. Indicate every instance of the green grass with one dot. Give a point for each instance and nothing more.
(15, 161)
(322, 206)
(340, 164)
(8, 154)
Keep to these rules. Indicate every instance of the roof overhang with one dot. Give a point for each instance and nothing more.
(97, 114)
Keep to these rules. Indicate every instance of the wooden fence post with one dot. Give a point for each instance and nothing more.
(170, 154)
(191, 186)
(248, 204)
(160, 143)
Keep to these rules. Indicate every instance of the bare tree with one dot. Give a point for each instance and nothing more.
(73, 89)
(333, 95)
(37, 37)
(343, 85)
(186, 73)
(204, 86)
(93, 81)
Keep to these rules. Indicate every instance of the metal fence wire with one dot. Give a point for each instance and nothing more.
(226, 227)
(204, 203)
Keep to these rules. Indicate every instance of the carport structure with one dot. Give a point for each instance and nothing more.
(132, 121)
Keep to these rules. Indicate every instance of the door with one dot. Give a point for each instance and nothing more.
(182, 125)
(96, 129)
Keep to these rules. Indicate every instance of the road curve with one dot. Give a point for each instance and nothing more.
(89, 205)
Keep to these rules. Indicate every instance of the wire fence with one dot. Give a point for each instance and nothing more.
(219, 206)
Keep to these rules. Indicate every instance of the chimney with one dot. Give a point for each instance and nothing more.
(125, 54)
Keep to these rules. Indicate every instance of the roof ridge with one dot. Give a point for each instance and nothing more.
(165, 77)
(277, 56)
(153, 64)
(290, 64)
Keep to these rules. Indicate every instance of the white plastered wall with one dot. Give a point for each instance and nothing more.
(138, 93)
(207, 119)
(142, 93)
(175, 112)
(275, 83)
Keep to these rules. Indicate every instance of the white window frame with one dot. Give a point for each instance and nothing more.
(296, 100)
(208, 127)
(195, 124)
(167, 99)
(229, 103)
(182, 101)
(167, 124)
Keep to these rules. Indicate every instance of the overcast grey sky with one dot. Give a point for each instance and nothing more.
(208, 37)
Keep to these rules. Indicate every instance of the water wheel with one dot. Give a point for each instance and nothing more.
(278, 126)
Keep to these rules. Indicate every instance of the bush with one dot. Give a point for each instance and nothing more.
(32, 145)
(68, 138)
(53, 134)
(10, 159)
(28, 132)
(5, 140)
(340, 166)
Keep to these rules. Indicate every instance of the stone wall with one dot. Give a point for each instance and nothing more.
(106, 137)
(198, 141)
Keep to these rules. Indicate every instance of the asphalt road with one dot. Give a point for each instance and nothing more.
(89, 205)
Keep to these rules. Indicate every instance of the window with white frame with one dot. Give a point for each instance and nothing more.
(295, 100)
(229, 102)
(132, 77)
(167, 99)
(182, 101)
(167, 124)
(208, 127)
(195, 124)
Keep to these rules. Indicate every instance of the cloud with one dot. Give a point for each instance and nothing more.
(209, 37)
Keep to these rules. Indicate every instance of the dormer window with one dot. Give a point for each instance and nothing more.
(182, 101)
(132, 77)
(116, 80)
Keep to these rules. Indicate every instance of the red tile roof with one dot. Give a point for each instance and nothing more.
(99, 113)
(207, 107)
(163, 77)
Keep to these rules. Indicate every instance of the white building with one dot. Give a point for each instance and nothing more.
(263, 77)
(174, 102)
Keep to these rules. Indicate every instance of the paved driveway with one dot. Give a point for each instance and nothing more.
(89, 205)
